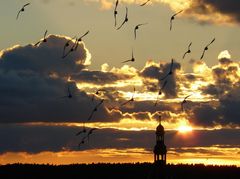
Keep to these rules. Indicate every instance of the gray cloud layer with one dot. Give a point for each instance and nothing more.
(34, 139)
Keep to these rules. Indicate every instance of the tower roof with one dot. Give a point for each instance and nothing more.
(160, 129)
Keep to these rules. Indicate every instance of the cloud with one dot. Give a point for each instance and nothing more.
(33, 80)
(204, 11)
(45, 58)
(158, 72)
(210, 11)
(16, 138)
(225, 87)
(98, 77)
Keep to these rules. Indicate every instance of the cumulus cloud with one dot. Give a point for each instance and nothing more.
(158, 72)
(33, 80)
(224, 86)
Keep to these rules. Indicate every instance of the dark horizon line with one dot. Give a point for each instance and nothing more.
(118, 163)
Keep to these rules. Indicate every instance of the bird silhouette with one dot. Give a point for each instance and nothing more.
(69, 95)
(169, 73)
(162, 87)
(44, 38)
(95, 110)
(22, 10)
(87, 136)
(206, 48)
(188, 51)
(136, 28)
(130, 100)
(82, 141)
(115, 13)
(184, 101)
(143, 4)
(80, 40)
(97, 93)
(130, 60)
(125, 20)
(71, 49)
(82, 131)
(67, 45)
(90, 132)
(173, 17)
(160, 92)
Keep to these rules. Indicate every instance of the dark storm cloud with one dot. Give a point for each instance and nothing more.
(229, 8)
(35, 139)
(98, 77)
(159, 72)
(33, 81)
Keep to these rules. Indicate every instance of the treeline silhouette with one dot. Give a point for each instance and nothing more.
(123, 171)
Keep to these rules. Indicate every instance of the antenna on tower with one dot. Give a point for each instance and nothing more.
(160, 119)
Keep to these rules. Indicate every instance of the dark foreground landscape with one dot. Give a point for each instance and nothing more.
(124, 171)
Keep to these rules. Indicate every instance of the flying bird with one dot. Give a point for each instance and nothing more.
(206, 48)
(162, 87)
(97, 93)
(87, 136)
(71, 49)
(160, 92)
(90, 132)
(125, 20)
(173, 17)
(82, 131)
(188, 51)
(131, 60)
(44, 38)
(80, 39)
(143, 4)
(22, 10)
(69, 94)
(67, 45)
(95, 110)
(184, 101)
(130, 100)
(136, 28)
(169, 73)
(115, 13)
(82, 141)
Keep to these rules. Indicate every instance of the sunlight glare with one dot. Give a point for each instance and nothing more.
(185, 129)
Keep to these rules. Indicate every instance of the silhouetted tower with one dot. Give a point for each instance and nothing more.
(160, 149)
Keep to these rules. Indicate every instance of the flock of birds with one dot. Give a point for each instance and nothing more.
(132, 59)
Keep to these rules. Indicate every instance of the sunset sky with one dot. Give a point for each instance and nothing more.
(38, 125)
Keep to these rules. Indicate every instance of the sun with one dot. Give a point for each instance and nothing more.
(185, 129)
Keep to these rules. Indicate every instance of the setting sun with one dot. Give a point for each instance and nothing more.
(184, 129)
